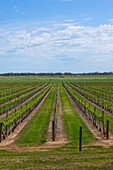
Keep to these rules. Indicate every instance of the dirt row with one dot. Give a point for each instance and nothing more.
(60, 135)
(60, 138)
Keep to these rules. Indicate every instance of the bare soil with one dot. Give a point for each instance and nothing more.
(60, 135)
(60, 132)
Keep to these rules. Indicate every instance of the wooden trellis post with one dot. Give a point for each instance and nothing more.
(0, 132)
(107, 130)
(80, 140)
(103, 122)
(53, 130)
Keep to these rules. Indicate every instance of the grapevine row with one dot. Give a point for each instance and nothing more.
(100, 102)
(18, 94)
(10, 122)
(14, 89)
(8, 106)
(99, 93)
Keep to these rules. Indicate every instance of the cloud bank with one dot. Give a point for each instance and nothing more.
(63, 43)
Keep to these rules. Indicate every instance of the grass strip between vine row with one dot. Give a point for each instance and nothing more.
(72, 121)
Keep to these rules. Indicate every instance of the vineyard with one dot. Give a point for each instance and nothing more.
(55, 119)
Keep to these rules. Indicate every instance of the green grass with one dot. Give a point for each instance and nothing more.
(57, 79)
(93, 158)
(66, 157)
(72, 121)
(35, 133)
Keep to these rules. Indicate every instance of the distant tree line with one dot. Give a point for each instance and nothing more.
(55, 74)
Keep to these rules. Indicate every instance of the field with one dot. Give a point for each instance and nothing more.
(40, 120)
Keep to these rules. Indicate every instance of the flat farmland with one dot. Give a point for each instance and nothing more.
(41, 118)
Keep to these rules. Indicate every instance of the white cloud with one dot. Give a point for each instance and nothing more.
(66, 41)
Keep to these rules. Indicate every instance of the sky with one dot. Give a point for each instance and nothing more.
(56, 36)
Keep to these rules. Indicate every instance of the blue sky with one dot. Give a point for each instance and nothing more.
(56, 35)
